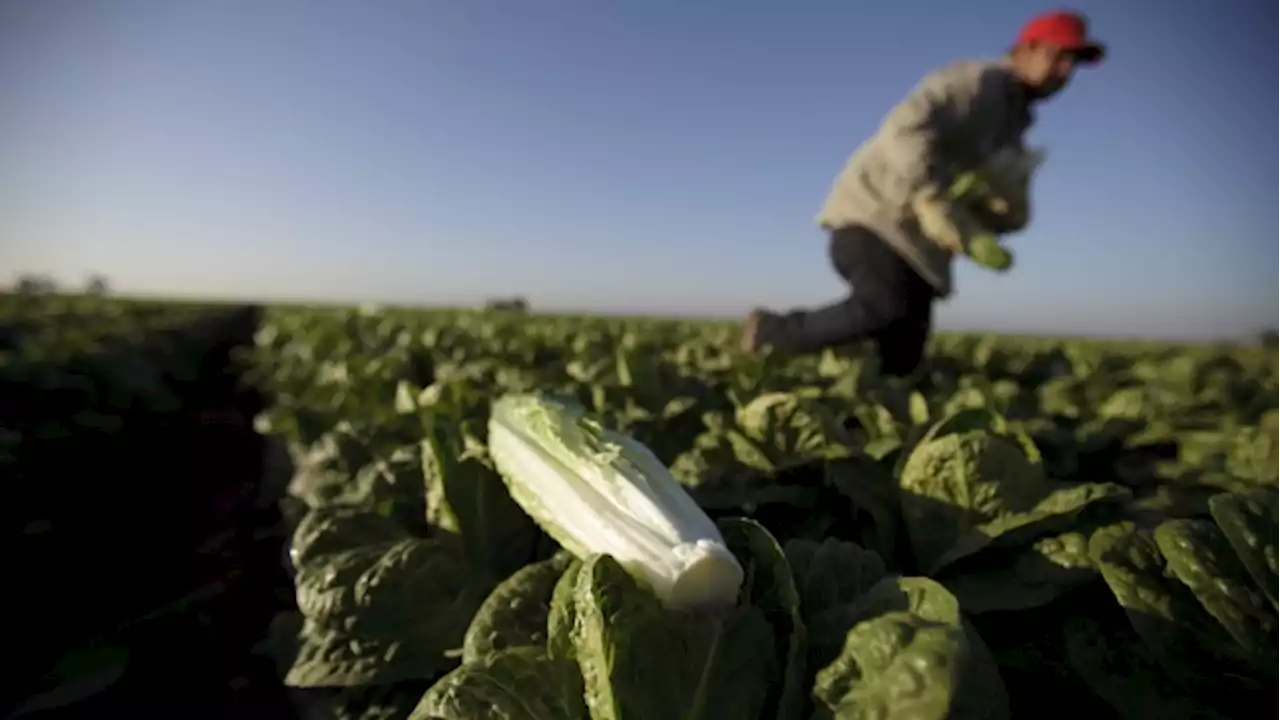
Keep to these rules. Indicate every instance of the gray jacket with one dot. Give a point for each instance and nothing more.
(955, 117)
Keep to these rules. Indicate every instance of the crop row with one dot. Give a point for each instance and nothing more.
(1101, 520)
(1099, 517)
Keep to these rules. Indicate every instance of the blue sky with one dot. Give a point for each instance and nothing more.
(649, 155)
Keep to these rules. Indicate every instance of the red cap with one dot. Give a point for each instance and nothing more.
(1066, 30)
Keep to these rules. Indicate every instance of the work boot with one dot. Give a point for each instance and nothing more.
(750, 340)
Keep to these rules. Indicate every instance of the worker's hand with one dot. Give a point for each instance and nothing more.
(941, 221)
(945, 222)
(949, 221)
(967, 217)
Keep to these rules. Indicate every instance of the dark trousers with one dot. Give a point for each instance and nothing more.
(889, 303)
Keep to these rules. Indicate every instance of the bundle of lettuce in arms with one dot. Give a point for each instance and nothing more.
(654, 612)
(980, 205)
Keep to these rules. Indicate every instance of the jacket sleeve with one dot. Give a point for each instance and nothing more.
(930, 119)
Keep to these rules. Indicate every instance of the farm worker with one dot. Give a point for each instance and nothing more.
(954, 118)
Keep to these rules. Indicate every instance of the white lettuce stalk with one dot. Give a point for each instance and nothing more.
(598, 492)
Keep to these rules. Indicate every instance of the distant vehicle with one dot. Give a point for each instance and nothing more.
(516, 304)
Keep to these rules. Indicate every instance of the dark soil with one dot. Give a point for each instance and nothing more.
(156, 543)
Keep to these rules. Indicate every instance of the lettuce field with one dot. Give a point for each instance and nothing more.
(296, 512)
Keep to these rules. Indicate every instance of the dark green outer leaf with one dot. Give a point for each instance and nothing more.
(1249, 523)
(897, 665)
(881, 448)
(333, 529)
(780, 429)
(372, 702)
(1116, 667)
(333, 658)
(749, 451)
(965, 420)
(872, 491)
(713, 666)
(562, 614)
(733, 487)
(1199, 555)
(832, 572)
(1056, 512)
(383, 613)
(325, 588)
(770, 586)
(909, 653)
(515, 613)
(520, 683)
(1187, 641)
(983, 693)
(1022, 578)
(985, 419)
(497, 535)
(956, 482)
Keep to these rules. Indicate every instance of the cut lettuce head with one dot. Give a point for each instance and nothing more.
(598, 492)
